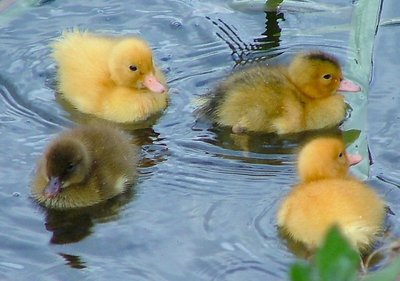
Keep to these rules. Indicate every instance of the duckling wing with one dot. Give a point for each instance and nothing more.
(82, 67)
(259, 99)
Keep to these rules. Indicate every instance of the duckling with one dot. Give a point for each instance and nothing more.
(327, 195)
(112, 78)
(282, 100)
(84, 166)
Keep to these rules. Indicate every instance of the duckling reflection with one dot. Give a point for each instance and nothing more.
(73, 225)
(73, 261)
(270, 149)
(279, 99)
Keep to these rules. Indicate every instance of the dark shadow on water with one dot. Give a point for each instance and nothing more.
(262, 48)
(39, 3)
(259, 142)
(73, 261)
(271, 37)
(70, 226)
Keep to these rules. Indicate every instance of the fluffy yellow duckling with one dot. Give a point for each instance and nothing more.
(327, 196)
(114, 79)
(84, 166)
(300, 97)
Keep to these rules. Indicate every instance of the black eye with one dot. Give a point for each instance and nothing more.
(340, 154)
(133, 67)
(70, 167)
(327, 76)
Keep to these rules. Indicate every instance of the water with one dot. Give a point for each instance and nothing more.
(204, 205)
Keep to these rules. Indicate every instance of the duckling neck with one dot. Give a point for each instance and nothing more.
(324, 112)
(322, 175)
(300, 94)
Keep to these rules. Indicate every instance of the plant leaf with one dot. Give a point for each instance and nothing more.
(337, 260)
(350, 136)
(301, 272)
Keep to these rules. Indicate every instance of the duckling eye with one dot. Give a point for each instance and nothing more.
(340, 154)
(133, 67)
(71, 167)
(327, 76)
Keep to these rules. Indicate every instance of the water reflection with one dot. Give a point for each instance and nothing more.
(73, 261)
(262, 143)
(69, 226)
(244, 53)
(271, 37)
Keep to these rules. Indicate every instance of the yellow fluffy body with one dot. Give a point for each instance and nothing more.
(330, 197)
(280, 99)
(85, 79)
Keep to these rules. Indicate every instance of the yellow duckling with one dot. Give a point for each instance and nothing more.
(300, 97)
(114, 79)
(84, 166)
(327, 196)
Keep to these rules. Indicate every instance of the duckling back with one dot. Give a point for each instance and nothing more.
(255, 99)
(312, 208)
(82, 65)
(85, 166)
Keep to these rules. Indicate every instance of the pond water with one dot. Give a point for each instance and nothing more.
(205, 202)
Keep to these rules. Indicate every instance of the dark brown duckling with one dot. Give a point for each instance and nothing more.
(282, 99)
(84, 166)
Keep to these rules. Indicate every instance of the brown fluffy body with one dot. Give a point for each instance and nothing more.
(94, 76)
(104, 166)
(280, 99)
(327, 196)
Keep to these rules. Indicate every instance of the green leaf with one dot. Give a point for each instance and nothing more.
(390, 273)
(337, 260)
(350, 136)
(272, 5)
(301, 272)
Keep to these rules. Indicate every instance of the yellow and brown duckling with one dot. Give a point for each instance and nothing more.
(327, 195)
(112, 78)
(84, 166)
(282, 99)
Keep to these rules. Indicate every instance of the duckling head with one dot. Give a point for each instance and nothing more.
(318, 75)
(131, 65)
(324, 158)
(67, 163)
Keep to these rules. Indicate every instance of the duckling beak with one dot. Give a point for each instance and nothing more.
(348, 86)
(353, 159)
(151, 83)
(53, 187)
